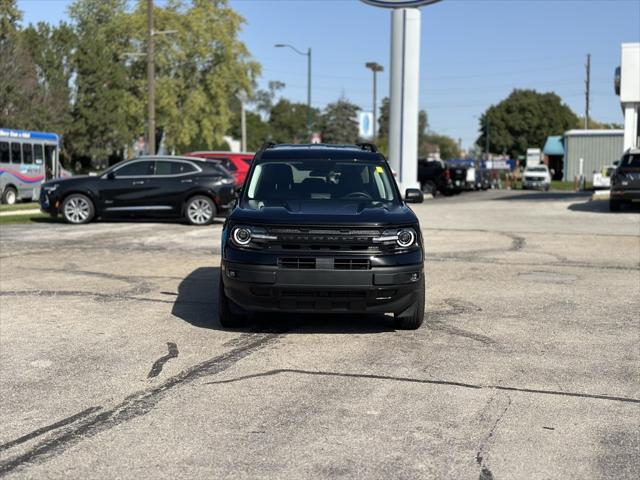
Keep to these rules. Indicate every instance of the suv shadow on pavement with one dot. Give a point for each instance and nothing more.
(544, 196)
(602, 206)
(197, 304)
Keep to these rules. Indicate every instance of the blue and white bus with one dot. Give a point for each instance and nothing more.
(27, 159)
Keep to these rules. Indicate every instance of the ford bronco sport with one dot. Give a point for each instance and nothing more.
(322, 228)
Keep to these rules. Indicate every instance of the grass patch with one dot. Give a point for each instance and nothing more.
(19, 206)
(36, 217)
(561, 185)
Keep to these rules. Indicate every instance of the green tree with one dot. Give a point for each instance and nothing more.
(288, 121)
(338, 123)
(258, 131)
(106, 114)
(524, 120)
(447, 145)
(383, 119)
(200, 69)
(264, 99)
(18, 81)
(51, 49)
(595, 125)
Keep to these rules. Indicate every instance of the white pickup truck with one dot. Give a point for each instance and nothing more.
(602, 179)
(537, 177)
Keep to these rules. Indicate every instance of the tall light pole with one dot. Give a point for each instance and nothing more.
(375, 68)
(308, 55)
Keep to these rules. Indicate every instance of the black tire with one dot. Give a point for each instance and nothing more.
(78, 209)
(413, 317)
(9, 196)
(429, 187)
(200, 210)
(228, 314)
(614, 205)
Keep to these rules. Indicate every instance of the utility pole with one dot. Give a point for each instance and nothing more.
(308, 55)
(375, 68)
(587, 92)
(309, 93)
(151, 74)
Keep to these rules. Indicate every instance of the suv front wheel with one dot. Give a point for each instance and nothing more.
(412, 318)
(228, 314)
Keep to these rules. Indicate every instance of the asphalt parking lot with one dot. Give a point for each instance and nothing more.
(113, 365)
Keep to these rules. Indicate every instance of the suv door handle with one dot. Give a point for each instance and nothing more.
(187, 181)
(138, 182)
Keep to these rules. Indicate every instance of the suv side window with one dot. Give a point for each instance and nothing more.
(227, 164)
(135, 169)
(167, 167)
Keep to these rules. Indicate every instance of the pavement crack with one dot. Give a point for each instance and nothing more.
(481, 455)
(280, 371)
(156, 368)
(135, 405)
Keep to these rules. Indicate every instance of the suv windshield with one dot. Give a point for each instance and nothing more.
(274, 182)
(536, 169)
(631, 160)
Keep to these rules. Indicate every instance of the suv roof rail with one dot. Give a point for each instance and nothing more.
(268, 144)
(367, 146)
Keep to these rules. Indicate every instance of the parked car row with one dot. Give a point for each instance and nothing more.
(439, 177)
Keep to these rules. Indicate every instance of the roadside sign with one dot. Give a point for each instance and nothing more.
(365, 124)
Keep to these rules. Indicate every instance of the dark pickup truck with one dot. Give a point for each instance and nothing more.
(435, 177)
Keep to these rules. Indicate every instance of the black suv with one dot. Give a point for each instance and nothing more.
(322, 228)
(171, 187)
(625, 182)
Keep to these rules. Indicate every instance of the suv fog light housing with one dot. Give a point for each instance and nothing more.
(241, 236)
(406, 238)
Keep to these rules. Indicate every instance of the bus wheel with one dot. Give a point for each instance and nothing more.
(78, 209)
(9, 196)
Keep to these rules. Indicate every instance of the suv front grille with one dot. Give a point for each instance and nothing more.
(351, 264)
(318, 239)
(306, 263)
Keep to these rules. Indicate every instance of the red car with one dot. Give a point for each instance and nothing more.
(237, 163)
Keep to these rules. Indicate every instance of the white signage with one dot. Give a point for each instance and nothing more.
(365, 124)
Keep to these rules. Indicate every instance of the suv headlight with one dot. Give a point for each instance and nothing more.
(51, 188)
(403, 237)
(243, 235)
(406, 237)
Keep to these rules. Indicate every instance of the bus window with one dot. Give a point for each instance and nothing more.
(16, 155)
(38, 154)
(27, 153)
(5, 156)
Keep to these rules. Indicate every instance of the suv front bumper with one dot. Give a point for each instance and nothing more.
(267, 288)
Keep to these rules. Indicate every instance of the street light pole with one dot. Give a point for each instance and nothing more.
(375, 68)
(151, 74)
(308, 55)
(309, 92)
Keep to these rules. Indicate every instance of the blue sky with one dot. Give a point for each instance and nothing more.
(473, 52)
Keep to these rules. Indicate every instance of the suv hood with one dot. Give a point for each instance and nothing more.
(316, 213)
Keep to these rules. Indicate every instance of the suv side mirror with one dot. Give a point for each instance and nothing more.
(616, 163)
(111, 175)
(413, 195)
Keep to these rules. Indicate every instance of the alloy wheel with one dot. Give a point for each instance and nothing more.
(200, 211)
(77, 210)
